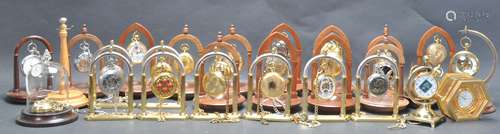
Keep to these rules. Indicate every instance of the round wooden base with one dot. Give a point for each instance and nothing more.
(76, 98)
(330, 106)
(46, 119)
(18, 96)
(218, 105)
(84, 87)
(382, 105)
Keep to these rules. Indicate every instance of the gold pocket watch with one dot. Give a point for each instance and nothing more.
(334, 49)
(32, 59)
(273, 84)
(465, 61)
(216, 81)
(136, 49)
(82, 62)
(436, 51)
(164, 83)
(186, 58)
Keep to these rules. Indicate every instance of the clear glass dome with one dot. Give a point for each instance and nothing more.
(44, 78)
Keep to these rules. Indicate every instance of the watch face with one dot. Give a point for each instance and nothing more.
(215, 85)
(378, 84)
(467, 64)
(164, 85)
(111, 79)
(425, 86)
(83, 61)
(272, 85)
(28, 62)
(137, 50)
(465, 99)
(326, 87)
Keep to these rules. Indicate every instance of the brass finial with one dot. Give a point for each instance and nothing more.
(84, 29)
(219, 36)
(386, 30)
(232, 29)
(63, 27)
(162, 42)
(185, 30)
(111, 42)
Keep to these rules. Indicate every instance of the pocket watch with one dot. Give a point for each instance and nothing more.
(465, 61)
(278, 47)
(186, 59)
(136, 49)
(436, 51)
(378, 83)
(160, 66)
(32, 59)
(272, 83)
(331, 67)
(325, 85)
(111, 77)
(82, 62)
(165, 85)
(217, 79)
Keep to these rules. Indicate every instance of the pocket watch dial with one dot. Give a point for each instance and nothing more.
(272, 85)
(326, 86)
(465, 99)
(425, 86)
(137, 50)
(28, 62)
(214, 84)
(378, 84)
(165, 85)
(111, 79)
(83, 61)
(467, 64)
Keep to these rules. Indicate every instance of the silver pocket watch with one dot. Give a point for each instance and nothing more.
(111, 77)
(32, 59)
(82, 62)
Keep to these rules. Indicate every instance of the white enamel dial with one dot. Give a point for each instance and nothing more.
(465, 99)
(28, 62)
(137, 50)
(425, 86)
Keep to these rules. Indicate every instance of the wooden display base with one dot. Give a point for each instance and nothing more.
(18, 96)
(218, 105)
(378, 106)
(330, 106)
(268, 105)
(84, 87)
(137, 91)
(490, 108)
(75, 98)
(46, 119)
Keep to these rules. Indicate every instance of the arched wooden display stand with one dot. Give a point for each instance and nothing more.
(297, 45)
(73, 42)
(429, 34)
(219, 105)
(234, 36)
(186, 36)
(393, 45)
(18, 93)
(265, 47)
(333, 33)
(124, 36)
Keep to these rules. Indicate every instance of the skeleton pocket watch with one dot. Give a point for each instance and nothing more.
(136, 49)
(465, 61)
(216, 82)
(33, 58)
(82, 62)
(111, 78)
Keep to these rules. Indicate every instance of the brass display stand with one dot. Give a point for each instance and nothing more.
(234, 38)
(92, 114)
(295, 45)
(226, 67)
(276, 80)
(164, 85)
(76, 97)
(343, 107)
(490, 108)
(389, 45)
(136, 29)
(189, 41)
(18, 93)
(342, 50)
(390, 85)
(75, 41)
